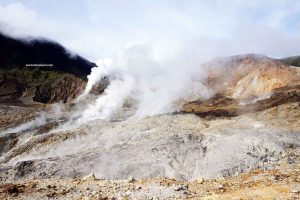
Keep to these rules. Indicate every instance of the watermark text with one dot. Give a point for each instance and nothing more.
(39, 65)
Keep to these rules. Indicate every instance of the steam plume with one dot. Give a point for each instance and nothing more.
(150, 84)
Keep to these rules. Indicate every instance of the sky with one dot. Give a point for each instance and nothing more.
(97, 29)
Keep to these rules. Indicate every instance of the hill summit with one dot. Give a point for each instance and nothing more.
(49, 55)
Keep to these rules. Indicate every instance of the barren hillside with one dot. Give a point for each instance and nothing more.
(242, 143)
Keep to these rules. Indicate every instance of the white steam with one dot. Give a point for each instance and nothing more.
(108, 104)
(55, 112)
(97, 74)
(38, 121)
(149, 82)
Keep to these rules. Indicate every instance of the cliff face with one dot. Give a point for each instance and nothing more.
(62, 89)
(24, 86)
(13, 87)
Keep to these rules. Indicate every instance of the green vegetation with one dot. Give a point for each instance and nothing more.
(33, 76)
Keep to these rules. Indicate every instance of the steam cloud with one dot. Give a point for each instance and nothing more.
(38, 121)
(149, 84)
(97, 74)
(155, 76)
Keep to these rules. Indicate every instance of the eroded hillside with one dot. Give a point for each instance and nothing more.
(36, 71)
(243, 143)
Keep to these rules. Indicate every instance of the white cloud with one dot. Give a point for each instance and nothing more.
(105, 28)
(16, 15)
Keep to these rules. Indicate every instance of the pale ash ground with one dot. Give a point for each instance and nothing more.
(180, 146)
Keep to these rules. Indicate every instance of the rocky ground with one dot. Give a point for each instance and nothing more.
(231, 146)
(280, 183)
(253, 156)
(228, 107)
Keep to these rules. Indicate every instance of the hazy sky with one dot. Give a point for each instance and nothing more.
(104, 28)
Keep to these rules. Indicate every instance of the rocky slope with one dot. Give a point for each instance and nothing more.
(250, 75)
(21, 84)
(294, 61)
(19, 88)
(246, 147)
(64, 89)
(281, 183)
(181, 146)
(246, 83)
(222, 106)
